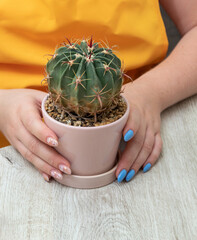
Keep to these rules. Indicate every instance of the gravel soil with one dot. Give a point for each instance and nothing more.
(72, 119)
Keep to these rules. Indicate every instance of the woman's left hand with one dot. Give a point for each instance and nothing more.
(141, 132)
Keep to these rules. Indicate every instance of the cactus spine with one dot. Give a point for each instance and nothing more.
(84, 78)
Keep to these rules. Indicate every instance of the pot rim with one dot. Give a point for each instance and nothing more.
(85, 128)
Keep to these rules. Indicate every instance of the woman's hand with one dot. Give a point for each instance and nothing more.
(142, 131)
(22, 125)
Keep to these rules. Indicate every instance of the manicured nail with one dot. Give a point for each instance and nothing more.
(46, 177)
(147, 167)
(65, 169)
(128, 135)
(130, 175)
(122, 175)
(56, 174)
(53, 142)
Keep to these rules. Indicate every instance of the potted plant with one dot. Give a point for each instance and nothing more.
(86, 110)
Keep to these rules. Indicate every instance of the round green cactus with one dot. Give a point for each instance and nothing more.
(84, 78)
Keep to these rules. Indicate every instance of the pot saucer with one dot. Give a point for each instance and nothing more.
(88, 182)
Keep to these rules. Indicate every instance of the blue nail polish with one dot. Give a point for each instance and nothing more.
(130, 175)
(122, 175)
(129, 134)
(147, 167)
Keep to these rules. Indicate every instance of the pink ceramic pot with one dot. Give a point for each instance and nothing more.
(90, 150)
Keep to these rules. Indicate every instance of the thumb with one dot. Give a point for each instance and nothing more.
(40, 95)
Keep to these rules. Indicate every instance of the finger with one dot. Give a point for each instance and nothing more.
(37, 162)
(45, 176)
(40, 96)
(42, 151)
(143, 155)
(130, 153)
(132, 125)
(154, 154)
(32, 121)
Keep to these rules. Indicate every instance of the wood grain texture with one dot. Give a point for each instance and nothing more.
(160, 204)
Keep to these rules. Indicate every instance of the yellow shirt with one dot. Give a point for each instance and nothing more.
(33, 28)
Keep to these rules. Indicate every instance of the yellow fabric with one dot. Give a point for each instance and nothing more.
(31, 29)
(3, 141)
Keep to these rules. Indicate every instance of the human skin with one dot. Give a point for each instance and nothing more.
(172, 80)
(23, 127)
(169, 82)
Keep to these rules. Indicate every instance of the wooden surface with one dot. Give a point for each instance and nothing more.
(160, 204)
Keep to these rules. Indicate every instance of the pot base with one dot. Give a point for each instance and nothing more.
(88, 182)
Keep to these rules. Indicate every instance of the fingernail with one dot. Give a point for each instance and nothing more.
(56, 174)
(52, 141)
(147, 167)
(130, 175)
(122, 175)
(46, 177)
(128, 135)
(65, 169)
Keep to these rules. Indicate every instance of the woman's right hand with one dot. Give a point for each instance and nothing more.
(21, 123)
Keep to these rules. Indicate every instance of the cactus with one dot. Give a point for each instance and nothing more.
(84, 78)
